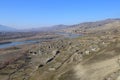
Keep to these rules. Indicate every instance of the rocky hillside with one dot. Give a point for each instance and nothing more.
(88, 57)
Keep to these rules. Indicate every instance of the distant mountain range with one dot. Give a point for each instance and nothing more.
(6, 28)
(103, 25)
(50, 28)
(97, 25)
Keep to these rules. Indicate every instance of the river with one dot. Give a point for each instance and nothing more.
(11, 44)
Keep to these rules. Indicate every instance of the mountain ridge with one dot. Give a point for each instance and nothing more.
(6, 28)
(67, 28)
(94, 26)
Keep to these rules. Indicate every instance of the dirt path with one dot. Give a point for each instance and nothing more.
(96, 71)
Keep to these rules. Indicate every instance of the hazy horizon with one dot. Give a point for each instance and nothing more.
(26, 14)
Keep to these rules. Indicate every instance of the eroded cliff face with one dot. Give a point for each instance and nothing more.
(90, 57)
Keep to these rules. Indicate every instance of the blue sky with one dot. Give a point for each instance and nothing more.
(38, 13)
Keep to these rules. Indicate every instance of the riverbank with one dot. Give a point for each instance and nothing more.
(1, 43)
(36, 39)
(30, 40)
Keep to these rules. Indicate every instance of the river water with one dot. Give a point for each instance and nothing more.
(6, 45)
(69, 35)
